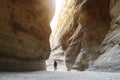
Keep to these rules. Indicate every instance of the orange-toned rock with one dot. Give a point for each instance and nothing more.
(83, 26)
(24, 34)
(90, 35)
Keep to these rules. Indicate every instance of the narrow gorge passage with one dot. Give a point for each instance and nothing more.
(84, 39)
(56, 51)
(86, 36)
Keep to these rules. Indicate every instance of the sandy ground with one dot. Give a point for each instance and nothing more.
(57, 75)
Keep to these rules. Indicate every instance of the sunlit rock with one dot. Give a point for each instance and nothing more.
(88, 32)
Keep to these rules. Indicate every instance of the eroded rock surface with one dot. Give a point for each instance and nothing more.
(110, 60)
(24, 34)
(89, 34)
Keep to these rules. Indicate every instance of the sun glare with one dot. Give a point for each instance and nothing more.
(58, 7)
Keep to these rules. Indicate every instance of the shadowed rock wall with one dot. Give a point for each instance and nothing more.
(89, 34)
(95, 21)
(24, 34)
(110, 59)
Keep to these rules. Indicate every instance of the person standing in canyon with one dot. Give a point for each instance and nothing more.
(55, 65)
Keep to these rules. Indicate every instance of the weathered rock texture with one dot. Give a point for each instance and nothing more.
(110, 60)
(95, 24)
(89, 34)
(24, 34)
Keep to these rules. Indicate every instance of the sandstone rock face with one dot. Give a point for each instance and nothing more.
(110, 59)
(24, 34)
(95, 24)
(89, 34)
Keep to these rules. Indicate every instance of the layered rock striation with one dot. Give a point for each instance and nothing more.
(89, 34)
(24, 34)
(110, 59)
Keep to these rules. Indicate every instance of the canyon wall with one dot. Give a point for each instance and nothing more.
(110, 58)
(87, 36)
(88, 32)
(24, 34)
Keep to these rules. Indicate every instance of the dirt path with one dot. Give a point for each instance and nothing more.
(47, 75)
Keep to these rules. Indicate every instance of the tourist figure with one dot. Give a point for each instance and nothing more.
(55, 65)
